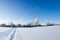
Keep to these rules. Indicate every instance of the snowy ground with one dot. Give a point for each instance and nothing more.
(37, 33)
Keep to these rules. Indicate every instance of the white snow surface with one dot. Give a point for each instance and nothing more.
(35, 33)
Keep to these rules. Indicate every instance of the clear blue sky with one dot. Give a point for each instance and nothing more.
(23, 11)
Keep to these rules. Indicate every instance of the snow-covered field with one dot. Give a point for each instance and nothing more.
(37, 33)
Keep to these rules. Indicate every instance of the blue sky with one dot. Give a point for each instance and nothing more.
(24, 11)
